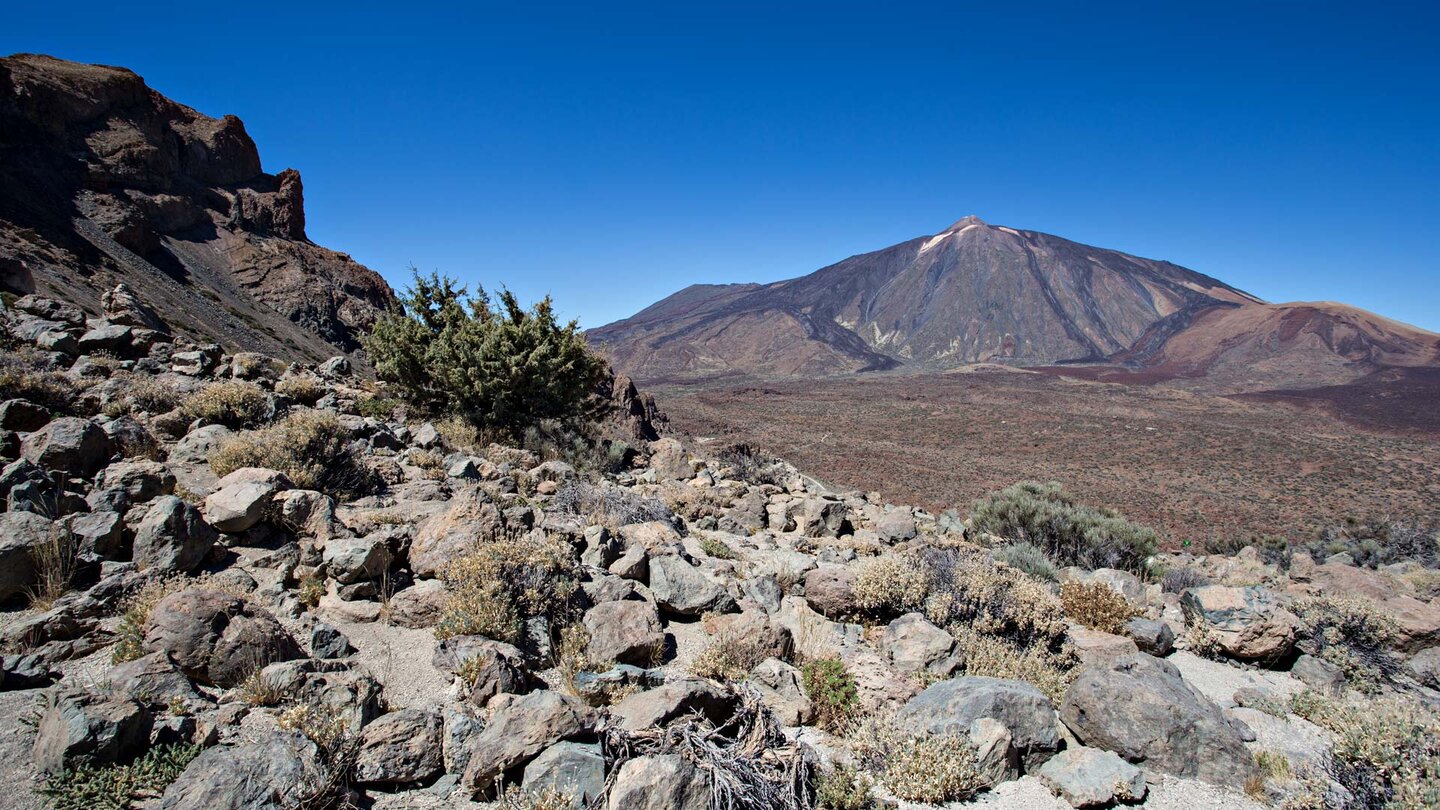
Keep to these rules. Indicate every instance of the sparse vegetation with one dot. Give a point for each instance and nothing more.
(1352, 634)
(833, 692)
(495, 363)
(54, 561)
(752, 465)
(312, 448)
(967, 588)
(493, 591)
(843, 787)
(23, 375)
(118, 787)
(1096, 606)
(1386, 751)
(729, 657)
(1050, 671)
(1069, 533)
(608, 505)
(1029, 558)
(892, 584)
(232, 403)
(917, 767)
(1179, 580)
(306, 389)
(1373, 543)
(320, 724)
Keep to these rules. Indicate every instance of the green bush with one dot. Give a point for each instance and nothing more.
(499, 365)
(1028, 558)
(1067, 532)
(832, 691)
(232, 403)
(1373, 543)
(118, 787)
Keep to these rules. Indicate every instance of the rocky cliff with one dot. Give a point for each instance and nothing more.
(104, 181)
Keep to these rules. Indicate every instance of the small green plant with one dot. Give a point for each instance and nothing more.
(378, 407)
(843, 787)
(832, 691)
(513, 797)
(1028, 558)
(1069, 533)
(118, 787)
(1096, 606)
(309, 590)
(232, 403)
(717, 548)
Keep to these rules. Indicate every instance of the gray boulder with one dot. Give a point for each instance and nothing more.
(241, 498)
(270, 773)
(782, 690)
(666, 782)
(400, 748)
(1247, 623)
(20, 533)
(1139, 707)
(217, 638)
(658, 706)
(682, 588)
(913, 644)
(951, 707)
(154, 681)
(572, 769)
(830, 589)
(98, 727)
(1088, 777)
(70, 445)
(1151, 636)
(353, 559)
(520, 729)
(173, 536)
(327, 642)
(626, 632)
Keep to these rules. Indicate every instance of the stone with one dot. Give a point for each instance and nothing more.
(658, 706)
(216, 638)
(670, 461)
(665, 782)
(1092, 645)
(572, 769)
(471, 520)
(519, 730)
(598, 687)
(328, 642)
(240, 499)
(823, 517)
(1246, 623)
(1424, 666)
(1139, 707)
(950, 707)
(459, 726)
(655, 536)
(25, 672)
(683, 589)
(23, 415)
(69, 445)
(896, 525)
(400, 748)
(781, 687)
(113, 338)
(140, 480)
(1151, 636)
(632, 564)
(419, 605)
(830, 589)
(995, 754)
(1088, 777)
(626, 632)
(154, 681)
(272, 772)
(98, 727)
(913, 644)
(353, 559)
(20, 533)
(173, 537)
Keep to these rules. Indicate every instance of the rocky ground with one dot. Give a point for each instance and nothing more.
(236, 582)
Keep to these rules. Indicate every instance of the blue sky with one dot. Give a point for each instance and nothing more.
(612, 154)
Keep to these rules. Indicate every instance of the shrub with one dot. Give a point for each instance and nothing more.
(917, 767)
(552, 439)
(1352, 634)
(260, 690)
(306, 389)
(321, 724)
(1179, 580)
(1373, 543)
(1068, 533)
(1096, 606)
(1426, 583)
(730, 657)
(497, 365)
(431, 464)
(54, 561)
(514, 797)
(1049, 671)
(377, 407)
(118, 787)
(832, 691)
(1386, 752)
(143, 392)
(716, 548)
(1029, 558)
(22, 377)
(312, 448)
(892, 584)
(843, 787)
(968, 588)
(232, 403)
(751, 465)
(610, 506)
(493, 591)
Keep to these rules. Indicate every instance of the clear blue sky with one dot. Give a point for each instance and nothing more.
(611, 154)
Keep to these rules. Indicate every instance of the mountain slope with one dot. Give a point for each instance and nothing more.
(103, 181)
(983, 293)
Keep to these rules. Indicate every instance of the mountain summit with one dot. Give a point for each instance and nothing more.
(976, 293)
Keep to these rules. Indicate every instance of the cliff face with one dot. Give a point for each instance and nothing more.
(105, 181)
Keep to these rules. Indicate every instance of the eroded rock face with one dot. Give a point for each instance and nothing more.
(1139, 707)
(167, 193)
(217, 638)
(950, 707)
(400, 748)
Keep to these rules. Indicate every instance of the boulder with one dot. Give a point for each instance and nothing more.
(683, 589)
(20, 534)
(1151, 636)
(913, 644)
(154, 681)
(1092, 645)
(626, 632)
(782, 690)
(950, 707)
(216, 638)
(1088, 777)
(896, 525)
(327, 642)
(173, 536)
(472, 519)
(353, 559)
(665, 782)
(98, 727)
(400, 748)
(272, 772)
(520, 729)
(22, 415)
(241, 498)
(823, 517)
(658, 706)
(572, 769)
(100, 535)
(1424, 666)
(830, 589)
(419, 605)
(1247, 623)
(1139, 707)
(69, 445)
